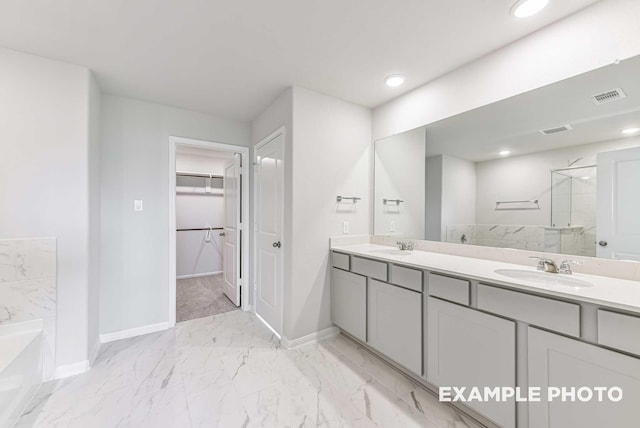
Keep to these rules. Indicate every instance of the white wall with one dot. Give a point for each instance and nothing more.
(195, 208)
(458, 193)
(398, 174)
(44, 183)
(450, 194)
(528, 177)
(433, 198)
(584, 41)
(135, 165)
(331, 156)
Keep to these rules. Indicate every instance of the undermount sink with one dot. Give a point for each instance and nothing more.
(544, 278)
(392, 252)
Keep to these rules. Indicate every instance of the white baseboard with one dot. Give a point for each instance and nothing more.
(198, 275)
(133, 332)
(71, 369)
(94, 352)
(309, 338)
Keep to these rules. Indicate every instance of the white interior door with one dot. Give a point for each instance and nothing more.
(232, 230)
(269, 201)
(618, 221)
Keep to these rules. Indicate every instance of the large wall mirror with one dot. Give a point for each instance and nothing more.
(556, 169)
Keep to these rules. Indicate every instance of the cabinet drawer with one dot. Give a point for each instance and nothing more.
(349, 302)
(395, 324)
(370, 268)
(619, 331)
(340, 260)
(406, 277)
(548, 313)
(452, 289)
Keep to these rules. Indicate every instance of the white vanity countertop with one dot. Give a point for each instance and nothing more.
(611, 292)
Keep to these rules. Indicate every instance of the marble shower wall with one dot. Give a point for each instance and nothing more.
(498, 235)
(568, 240)
(28, 288)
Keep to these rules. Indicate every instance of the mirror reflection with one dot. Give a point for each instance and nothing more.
(533, 172)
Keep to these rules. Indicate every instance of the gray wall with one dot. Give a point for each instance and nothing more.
(279, 113)
(331, 156)
(134, 162)
(93, 328)
(399, 169)
(44, 185)
(327, 153)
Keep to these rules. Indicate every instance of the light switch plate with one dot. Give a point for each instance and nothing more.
(345, 227)
(392, 226)
(137, 205)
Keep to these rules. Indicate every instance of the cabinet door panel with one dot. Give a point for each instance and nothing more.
(349, 302)
(557, 361)
(472, 349)
(395, 324)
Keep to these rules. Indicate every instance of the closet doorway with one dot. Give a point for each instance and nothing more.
(208, 207)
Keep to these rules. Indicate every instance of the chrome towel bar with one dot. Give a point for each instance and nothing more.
(531, 201)
(386, 201)
(354, 199)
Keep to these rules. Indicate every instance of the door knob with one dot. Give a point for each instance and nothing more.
(222, 234)
(603, 243)
(277, 244)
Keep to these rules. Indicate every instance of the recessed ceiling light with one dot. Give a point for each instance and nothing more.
(394, 80)
(525, 8)
(630, 131)
(585, 178)
(505, 152)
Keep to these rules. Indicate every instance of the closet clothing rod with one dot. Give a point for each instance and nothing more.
(197, 174)
(200, 228)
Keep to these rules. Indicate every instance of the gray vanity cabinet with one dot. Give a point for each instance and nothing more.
(470, 348)
(558, 361)
(395, 323)
(349, 302)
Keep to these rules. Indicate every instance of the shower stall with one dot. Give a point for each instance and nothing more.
(573, 209)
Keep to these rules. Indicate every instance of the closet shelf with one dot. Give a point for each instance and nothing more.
(198, 174)
(200, 228)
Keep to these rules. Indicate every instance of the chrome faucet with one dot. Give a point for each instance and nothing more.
(546, 265)
(405, 245)
(565, 266)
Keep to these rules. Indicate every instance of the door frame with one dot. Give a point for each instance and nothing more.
(174, 143)
(280, 131)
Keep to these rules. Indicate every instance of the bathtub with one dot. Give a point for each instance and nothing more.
(20, 368)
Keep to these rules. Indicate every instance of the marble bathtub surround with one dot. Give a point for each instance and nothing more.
(25, 259)
(230, 371)
(621, 269)
(28, 288)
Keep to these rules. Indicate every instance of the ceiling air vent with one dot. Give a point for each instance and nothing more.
(555, 130)
(607, 97)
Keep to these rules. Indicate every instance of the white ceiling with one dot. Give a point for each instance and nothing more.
(233, 58)
(514, 124)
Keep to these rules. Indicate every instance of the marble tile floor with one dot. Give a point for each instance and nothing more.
(201, 297)
(228, 370)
